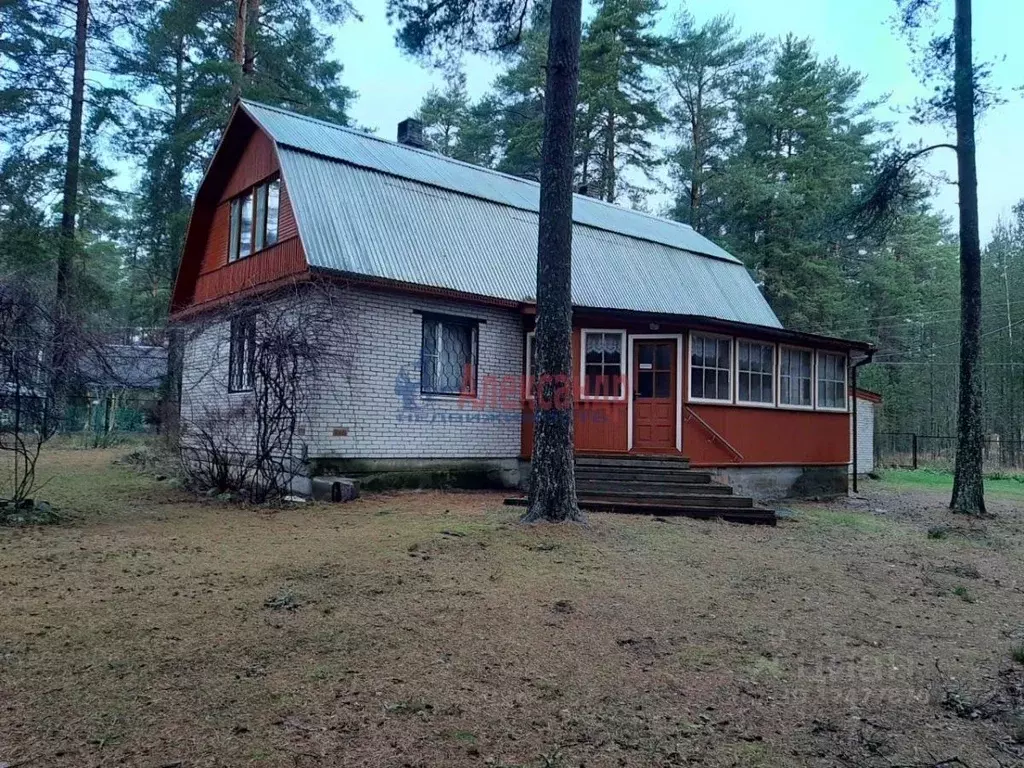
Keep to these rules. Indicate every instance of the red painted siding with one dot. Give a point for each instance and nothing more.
(766, 436)
(246, 158)
(761, 435)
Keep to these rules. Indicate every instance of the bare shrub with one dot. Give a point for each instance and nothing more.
(266, 363)
(26, 392)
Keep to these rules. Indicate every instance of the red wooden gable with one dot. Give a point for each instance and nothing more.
(245, 157)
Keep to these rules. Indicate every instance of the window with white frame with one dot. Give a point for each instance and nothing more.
(448, 356)
(242, 354)
(602, 364)
(796, 376)
(710, 368)
(832, 381)
(755, 372)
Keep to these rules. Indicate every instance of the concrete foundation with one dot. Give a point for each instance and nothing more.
(392, 474)
(771, 483)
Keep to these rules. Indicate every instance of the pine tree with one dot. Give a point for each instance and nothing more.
(428, 27)
(707, 68)
(455, 127)
(618, 113)
(785, 193)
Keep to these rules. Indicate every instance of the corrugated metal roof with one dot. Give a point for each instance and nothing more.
(428, 220)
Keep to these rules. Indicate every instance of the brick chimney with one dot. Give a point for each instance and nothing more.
(410, 133)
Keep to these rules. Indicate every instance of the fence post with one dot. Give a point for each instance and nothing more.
(913, 448)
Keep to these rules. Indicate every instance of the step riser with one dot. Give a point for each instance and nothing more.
(682, 502)
(642, 488)
(623, 469)
(644, 477)
(750, 516)
(631, 464)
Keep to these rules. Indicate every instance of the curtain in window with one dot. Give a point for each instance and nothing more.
(603, 364)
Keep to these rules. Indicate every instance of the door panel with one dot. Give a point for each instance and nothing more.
(654, 394)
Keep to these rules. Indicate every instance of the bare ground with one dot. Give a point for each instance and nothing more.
(430, 629)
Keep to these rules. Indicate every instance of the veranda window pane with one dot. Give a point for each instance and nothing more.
(723, 386)
(696, 383)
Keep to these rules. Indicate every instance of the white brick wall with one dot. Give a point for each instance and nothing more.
(865, 437)
(355, 411)
(382, 340)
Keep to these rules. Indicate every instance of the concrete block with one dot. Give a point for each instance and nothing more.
(334, 489)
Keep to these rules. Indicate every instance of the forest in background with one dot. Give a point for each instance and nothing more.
(765, 146)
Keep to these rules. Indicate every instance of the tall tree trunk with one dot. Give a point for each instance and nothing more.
(609, 158)
(64, 311)
(170, 390)
(553, 477)
(697, 172)
(968, 490)
(238, 52)
(252, 25)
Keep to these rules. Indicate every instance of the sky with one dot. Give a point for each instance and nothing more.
(857, 32)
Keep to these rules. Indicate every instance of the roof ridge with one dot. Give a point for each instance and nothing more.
(452, 160)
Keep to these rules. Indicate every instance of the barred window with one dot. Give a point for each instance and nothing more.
(711, 368)
(242, 354)
(831, 381)
(602, 364)
(755, 372)
(448, 356)
(795, 376)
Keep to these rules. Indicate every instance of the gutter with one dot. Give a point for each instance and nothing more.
(863, 361)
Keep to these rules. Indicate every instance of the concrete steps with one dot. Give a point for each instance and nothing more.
(752, 515)
(657, 485)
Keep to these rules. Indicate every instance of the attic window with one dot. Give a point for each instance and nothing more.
(254, 219)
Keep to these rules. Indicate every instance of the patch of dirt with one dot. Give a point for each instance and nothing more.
(429, 629)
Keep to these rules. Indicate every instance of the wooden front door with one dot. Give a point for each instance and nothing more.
(654, 394)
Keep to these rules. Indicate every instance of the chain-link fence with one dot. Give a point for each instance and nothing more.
(911, 450)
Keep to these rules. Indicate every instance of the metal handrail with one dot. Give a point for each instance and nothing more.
(692, 413)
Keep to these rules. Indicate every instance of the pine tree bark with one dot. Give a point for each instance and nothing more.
(251, 26)
(238, 52)
(63, 325)
(553, 477)
(968, 488)
(170, 390)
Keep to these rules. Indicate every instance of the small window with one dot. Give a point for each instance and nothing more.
(254, 220)
(755, 373)
(242, 358)
(795, 377)
(602, 364)
(448, 356)
(832, 381)
(711, 368)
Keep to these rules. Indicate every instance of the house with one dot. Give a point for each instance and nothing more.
(120, 384)
(677, 352)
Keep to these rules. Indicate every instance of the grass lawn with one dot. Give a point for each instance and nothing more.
(431, 629)
(1007, 487)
